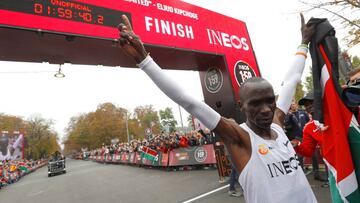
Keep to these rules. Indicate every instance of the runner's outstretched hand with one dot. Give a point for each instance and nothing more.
(129, 42)
(307, 30)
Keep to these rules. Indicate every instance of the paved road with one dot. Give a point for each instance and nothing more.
(91, 182)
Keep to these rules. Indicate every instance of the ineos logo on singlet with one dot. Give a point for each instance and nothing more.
(285, 167)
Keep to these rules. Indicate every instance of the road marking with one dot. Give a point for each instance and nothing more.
(34, 194)
(29, 182)
(206, 194)
(82, 165)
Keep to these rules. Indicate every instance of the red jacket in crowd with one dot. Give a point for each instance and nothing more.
(312, 136)
(183, 142)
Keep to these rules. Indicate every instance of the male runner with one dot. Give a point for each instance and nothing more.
(265, 159)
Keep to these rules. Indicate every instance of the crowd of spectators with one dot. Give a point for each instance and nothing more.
(163, 142)
(12, 170)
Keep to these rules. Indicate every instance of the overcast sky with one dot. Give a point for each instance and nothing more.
(30, 88)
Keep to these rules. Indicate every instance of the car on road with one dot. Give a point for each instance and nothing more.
(56, 167)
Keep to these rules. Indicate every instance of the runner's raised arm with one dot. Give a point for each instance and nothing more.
(133, 47)
(293, 76)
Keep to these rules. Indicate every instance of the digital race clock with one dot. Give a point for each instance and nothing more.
(66, 10)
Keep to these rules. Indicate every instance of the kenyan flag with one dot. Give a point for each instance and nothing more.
(23, 167)
(341, 143)
(149, 154)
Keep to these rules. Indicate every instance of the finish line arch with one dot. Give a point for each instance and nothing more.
(178, 35)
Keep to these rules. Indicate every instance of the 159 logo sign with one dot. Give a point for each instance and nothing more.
(242, 72)
(213, 80)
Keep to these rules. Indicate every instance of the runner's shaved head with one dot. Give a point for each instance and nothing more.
(252, 84)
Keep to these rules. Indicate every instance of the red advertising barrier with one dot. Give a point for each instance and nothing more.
(204, 154)
(137, 158)
(124, 157)
(165, 159)
(132, 158)
(109, 158)
(198, 155)
(222, 162)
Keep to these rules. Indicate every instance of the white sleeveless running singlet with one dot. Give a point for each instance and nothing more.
(273, 173)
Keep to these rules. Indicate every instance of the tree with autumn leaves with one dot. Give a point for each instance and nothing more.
(144, 117)
(108, 122)
(168, 122)
(41, 140)
(343, 12)
(92, 129)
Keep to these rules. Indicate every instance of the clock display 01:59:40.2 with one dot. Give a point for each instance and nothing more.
(67, 13)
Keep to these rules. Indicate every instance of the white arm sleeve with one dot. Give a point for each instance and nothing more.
(200, 110)
(292, 78)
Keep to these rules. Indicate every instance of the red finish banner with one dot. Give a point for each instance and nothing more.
(169, 23)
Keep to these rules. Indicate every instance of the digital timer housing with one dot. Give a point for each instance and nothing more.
(66, 10)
